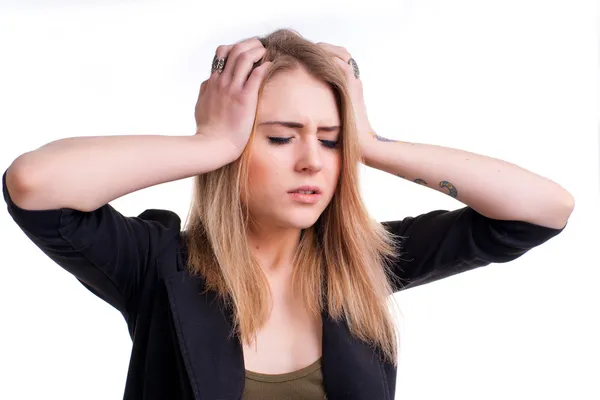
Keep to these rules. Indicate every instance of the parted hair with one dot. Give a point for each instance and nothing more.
(341, 265)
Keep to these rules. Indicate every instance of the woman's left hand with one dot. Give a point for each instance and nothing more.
(363, 126)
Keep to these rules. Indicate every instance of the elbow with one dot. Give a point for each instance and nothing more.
(569, 206)
(18, 183)
(564, 210)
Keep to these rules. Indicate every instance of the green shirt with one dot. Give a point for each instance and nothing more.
(302, 384)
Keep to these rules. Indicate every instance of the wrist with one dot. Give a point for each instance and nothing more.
(221, 149)
(369, 150)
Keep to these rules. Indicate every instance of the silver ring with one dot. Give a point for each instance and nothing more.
(218, 64)
(354, 65)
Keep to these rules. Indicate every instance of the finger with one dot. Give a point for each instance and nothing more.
(244, 65)
(203, 87)
(256, 77)
(221, 52)
(346, 68)
(236, 50)
(337, 51)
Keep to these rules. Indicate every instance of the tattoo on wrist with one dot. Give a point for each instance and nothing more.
(381, 138)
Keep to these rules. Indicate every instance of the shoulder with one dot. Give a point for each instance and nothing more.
(167, 218)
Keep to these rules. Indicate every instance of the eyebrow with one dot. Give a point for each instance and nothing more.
(289, 124)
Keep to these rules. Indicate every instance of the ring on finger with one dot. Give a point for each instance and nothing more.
(354, 65)
(218, 64)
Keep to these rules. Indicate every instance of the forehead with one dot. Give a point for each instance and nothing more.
(297, 96)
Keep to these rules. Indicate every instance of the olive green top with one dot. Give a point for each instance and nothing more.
(302, 384)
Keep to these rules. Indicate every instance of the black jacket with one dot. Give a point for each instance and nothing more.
(181, 345)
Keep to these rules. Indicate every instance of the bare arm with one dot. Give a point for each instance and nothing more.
(493, 187)
(85, 173)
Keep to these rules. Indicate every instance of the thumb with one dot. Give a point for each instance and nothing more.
(256, 78)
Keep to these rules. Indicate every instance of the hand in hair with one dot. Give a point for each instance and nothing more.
(364, 129)
(227, 103)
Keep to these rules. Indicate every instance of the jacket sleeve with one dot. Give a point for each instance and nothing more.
(441, 243)
(106, 251)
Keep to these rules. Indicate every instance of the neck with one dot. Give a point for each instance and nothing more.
(274, 248)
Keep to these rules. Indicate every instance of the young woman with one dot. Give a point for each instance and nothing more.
(278, 286)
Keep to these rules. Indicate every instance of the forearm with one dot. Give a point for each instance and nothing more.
(85, 173)
(492, 187)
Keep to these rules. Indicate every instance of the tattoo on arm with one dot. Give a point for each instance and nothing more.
(452, 191)
(418, 180)
(451, 188)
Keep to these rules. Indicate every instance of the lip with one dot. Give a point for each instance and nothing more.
(305, 198)
(315, 189)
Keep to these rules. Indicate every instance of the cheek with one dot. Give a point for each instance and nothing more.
(335, 169)
(263, 176)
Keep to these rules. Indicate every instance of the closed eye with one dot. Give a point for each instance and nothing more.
(279, 140)
(332, 144)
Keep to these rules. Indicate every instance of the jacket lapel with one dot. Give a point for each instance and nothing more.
(215, 362)
(351, 369)
(213, 359)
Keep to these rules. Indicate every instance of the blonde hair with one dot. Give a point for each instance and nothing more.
(340, 265)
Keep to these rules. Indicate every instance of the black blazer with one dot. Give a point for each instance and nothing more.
(181, 345)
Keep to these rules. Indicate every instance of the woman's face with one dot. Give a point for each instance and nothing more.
(298, 125)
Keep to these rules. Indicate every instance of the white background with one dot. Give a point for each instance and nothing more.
(512, 79)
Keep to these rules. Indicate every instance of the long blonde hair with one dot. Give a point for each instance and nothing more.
(341, 263)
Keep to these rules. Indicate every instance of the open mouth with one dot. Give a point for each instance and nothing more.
(305, 191)
(305, 196)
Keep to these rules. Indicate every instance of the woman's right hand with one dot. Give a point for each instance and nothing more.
(226, 106)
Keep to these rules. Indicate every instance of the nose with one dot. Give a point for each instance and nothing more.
(310, 157)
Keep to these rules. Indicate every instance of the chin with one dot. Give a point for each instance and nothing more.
(300, 221)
